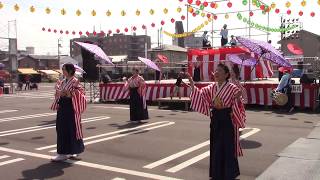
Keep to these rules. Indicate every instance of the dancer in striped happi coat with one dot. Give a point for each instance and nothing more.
(220, 102)
(138, 105)
(70, 102)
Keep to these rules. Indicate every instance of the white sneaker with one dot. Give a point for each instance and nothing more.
(59, 157)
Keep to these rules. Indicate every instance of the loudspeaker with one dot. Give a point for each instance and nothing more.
(89, 66)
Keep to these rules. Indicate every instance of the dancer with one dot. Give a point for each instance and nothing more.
(226, 119)
(70, 102)
(158, 74)
(138, 104)
(178, 84)
(197, 70)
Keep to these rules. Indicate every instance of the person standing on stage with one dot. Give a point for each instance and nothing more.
(235, 79)
(70, 102)
(219, 101)
(177, 86)
(233, 41)
(197, 70)
(285, 87)
(138, 105)
(224, 35)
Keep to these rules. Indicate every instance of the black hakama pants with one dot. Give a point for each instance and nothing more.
(137, 110)
(67, 143)
(223, 159)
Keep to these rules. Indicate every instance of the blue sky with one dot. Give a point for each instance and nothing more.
(30, 24)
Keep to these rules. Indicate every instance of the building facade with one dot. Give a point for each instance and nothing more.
(131, 46)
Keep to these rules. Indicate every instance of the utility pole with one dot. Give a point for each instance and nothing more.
(59, 46)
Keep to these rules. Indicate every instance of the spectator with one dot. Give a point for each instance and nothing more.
(224, 35)
(233, 41)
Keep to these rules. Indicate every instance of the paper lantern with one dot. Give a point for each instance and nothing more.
(288, 11)
(165, 11)
(123, 13)
(32, 9)
(49, 30)
(206, 22)
(1, 5)
(183, 17)
(205, 4)
(48, 10)
(118, 30)
(162, 22)
(43, 29)
(203, 14)
(61, 32)
(273, 5)
(229, 4)
(63, 12)
(190, 1)
(55, 31)
(213, 5)
(179, 9)
(194, 14)
(101, 33)
(153, 25)
(87, 33)
(312, 14)
(151, 11)
(78, 12)
(73, 33)
(126, 29)
(262, 7)
(251, 13)
(93, 13)
(303, 3)
(288, 4)
(215, 17)
(109, 32)
(144, 27)
(138, 12)
(80, 33)
(16, 7)
(301, 13)
(67, 32)
(202, 7)
(108, 13)
(190, 10)
(198, 3)
(277, 11)
(244, 2)
(134, 28)
(172, 20)
(208, 15)
(227, 16)
(197, 12)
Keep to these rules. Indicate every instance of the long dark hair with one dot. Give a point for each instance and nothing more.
(225, 69)
(70, 69)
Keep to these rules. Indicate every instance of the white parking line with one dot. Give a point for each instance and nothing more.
(7, 111)
(107, 134)
(189, 150)
(92, 165)
(4, 156)
(205, 155)
(127, 108)
(26, 117)
(38, 128)
(86, 143)
(188, 162)
(11, 161)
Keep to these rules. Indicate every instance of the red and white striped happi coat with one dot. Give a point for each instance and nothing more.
(212, 57)
(202, 102)
(79, 101)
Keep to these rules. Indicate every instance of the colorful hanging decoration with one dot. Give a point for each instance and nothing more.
(123, 13)
(165, 11)
(78, 12)
(264, 28)
(1, 5)
(151, 12)
(63, 12)
(16, 7)
(179, 9)
(108, 13)
(48, 10)
(32, 9)
(138, 12)
(186, 34)
(93, 13)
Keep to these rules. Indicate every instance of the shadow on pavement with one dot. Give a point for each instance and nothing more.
(45, 171)
(247, 144)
